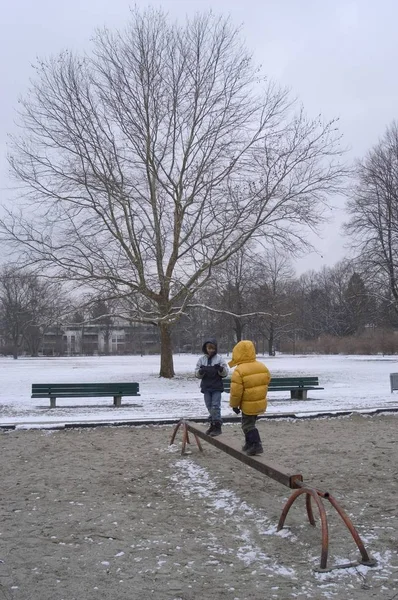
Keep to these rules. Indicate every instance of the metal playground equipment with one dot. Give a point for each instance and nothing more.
(293, 481)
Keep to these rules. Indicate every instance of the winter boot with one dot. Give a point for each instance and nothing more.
(210, 429)
(255, 446)
(246, 444)
(216, 430)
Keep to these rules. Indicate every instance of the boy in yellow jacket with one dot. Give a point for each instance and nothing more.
(249, 386)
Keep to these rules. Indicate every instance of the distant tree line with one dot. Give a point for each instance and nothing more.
(338, 309)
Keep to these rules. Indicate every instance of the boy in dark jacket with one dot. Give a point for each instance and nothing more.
(211, 368)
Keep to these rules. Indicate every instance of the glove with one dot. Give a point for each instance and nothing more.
(236, 410)
(205, 369)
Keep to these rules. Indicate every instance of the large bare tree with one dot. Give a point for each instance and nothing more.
(157, 157)
(373, 209)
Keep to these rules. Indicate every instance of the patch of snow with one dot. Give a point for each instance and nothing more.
(191, 479)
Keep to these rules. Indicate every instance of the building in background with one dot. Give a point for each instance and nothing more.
(95, 339)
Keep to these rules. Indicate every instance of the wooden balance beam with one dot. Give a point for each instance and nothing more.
(234, 449)
(291, 480)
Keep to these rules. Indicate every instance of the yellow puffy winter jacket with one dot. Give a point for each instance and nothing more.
(250, 379)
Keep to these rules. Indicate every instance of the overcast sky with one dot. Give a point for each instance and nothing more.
(339, 57)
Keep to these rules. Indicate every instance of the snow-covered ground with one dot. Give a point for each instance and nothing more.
(356, 383)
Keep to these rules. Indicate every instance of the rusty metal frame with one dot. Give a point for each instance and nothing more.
(293, 481)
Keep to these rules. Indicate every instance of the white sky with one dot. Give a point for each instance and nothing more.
(338, 56)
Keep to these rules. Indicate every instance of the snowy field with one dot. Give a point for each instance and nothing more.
(354, 383)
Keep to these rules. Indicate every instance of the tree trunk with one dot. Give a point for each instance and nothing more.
(107, 335)
(15, 351)
(238, 329)
(34, 346)
(166, 352)
(271, 340)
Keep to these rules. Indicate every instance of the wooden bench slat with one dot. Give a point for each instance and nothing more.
(84, 386)
(88, 389)
(290, 387)
(85, 391)
(292, 379)
(111, 391)
(295, 382)
(85, 395)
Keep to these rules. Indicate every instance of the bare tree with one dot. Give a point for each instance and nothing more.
(373, 206)
(359, 308)
(250, 294)
(274, 273)
(156, 158)
(14, 308)
(28, 308)
(231, 291)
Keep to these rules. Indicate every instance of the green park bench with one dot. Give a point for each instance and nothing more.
(297, 386)
(84, 390)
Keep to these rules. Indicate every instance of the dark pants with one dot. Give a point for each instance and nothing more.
(248, 422)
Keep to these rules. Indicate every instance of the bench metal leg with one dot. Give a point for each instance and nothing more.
(52, 401)
(298, 394)
(117, 400)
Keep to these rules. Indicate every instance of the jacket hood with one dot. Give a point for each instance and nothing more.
(244, 351)
(209, 340)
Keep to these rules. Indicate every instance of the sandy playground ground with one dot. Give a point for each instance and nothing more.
(115, 513)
